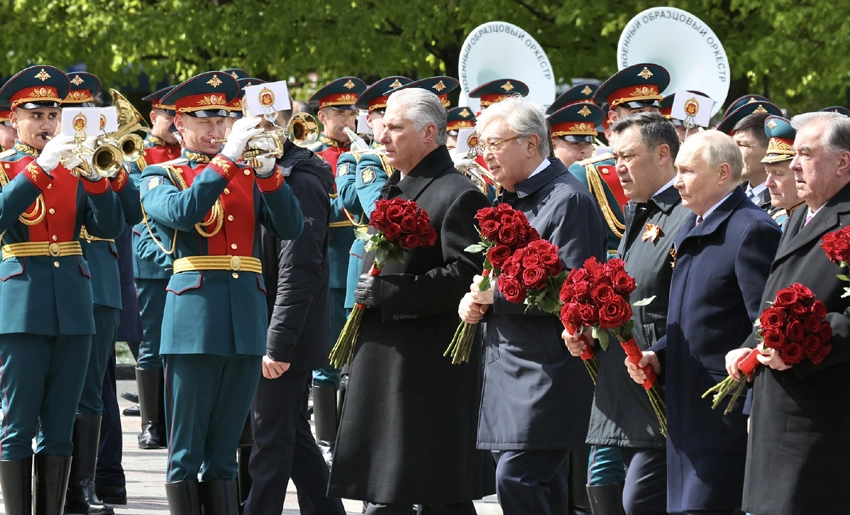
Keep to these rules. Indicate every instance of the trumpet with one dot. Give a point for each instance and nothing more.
(302, 130)
(104, 160)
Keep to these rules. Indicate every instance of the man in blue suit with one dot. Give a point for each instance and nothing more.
(723, 256)
(214, 324)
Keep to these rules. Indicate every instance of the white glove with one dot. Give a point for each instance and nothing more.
(54, 151)
(266, 167)
(76, 160)
(243, 130)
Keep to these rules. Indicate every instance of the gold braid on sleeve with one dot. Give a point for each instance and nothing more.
(594, 183)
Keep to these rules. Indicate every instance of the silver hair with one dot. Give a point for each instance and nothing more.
(719, 148)
(522, 116)
(835, 137)
(421, 107)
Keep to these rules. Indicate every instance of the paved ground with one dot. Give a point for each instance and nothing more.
(145, 477)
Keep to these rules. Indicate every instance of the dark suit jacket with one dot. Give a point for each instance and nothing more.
(799, 447)
(407, 431)
(536, 396)
(296, 271)
(718, 279)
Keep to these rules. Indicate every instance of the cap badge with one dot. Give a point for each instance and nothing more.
(587, 90)
(507, 86)
(42, 75)
(395, 84)
(76, 81)
(771, 124)
(760, 109)
(234, 75)
(439, 86)
(465, 113)
(585, 112)
(645, 73)
(348, 85)
(215, 81)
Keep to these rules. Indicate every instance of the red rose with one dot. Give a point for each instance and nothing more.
(615, 264)
(836, 245)
(431, 236)
(395, 213)
(410, 241)
(512, 267)
(530, 260)
(588, 315)
(785, 298)
(602, 294)
(498, 255)
(511, 289)
(521, 232)
(773, 339)
(623, 283)
(485, 213)
(791, 353)
(392, 232)
(489, 229)
(818, 309)
(378, 220)
(794, 331)
(582, 289)
(422, 226)
(577, 274)
(408, 224)
(812, 345)
(570, 317)
(534, 278)
(798, 310)
(825, 332)
(772, 319)
(614, 314)
(840, 249)
(803, 292)
(507, 235)
(821, 354)
(533, 235)
(567, 293)
(539, 246)
(505, 208)
(552, 262)
(811, 324)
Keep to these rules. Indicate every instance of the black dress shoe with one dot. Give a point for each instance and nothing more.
(132, 411)
(130, 396)
(152, 437)
(111, 494)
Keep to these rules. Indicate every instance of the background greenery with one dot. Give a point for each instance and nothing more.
(795, 51)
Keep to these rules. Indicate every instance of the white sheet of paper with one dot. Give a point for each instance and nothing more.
(264, 98)
(690, 105)
(109, 119)
(80, 119)
(463, 135)
(362, 126)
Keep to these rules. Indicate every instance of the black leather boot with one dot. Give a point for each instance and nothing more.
(50, 483)
(326, 417)
(16, 485)
(151, 406)
(183, 497)
(219, 497)
(243, 475)
(81, 497)
(606, 499)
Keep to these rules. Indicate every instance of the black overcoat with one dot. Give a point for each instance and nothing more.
(407, 431)
(536, 396)
(799, 444)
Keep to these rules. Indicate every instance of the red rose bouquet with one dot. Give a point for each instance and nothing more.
(795, 326)
(596, 296)
(836, 244)
(503, 230)
(400, 225)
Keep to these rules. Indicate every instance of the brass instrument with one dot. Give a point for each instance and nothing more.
(100, 161)
(302, 130)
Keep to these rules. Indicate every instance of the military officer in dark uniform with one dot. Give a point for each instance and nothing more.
(497, 90)
(573, 129)
(336, 112)
(213, 333)
(7, 132)
(152, 278)
(457, 118)
(102, 256)
(46, 315)
(631, 90)
(784, 196)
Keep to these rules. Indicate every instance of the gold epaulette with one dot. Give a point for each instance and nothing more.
(595, 159)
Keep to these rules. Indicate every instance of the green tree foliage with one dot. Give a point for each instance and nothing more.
(792, 50)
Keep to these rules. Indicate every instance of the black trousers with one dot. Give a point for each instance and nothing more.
(110, 472)
(533, 482)
(645, 491)
(284, 448)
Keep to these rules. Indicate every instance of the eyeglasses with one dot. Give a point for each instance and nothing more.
(493, 147)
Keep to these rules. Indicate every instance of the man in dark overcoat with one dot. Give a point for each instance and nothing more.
(798, 447)
(535, 402)
(645, 146)
(407, 429)
(723, 255)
